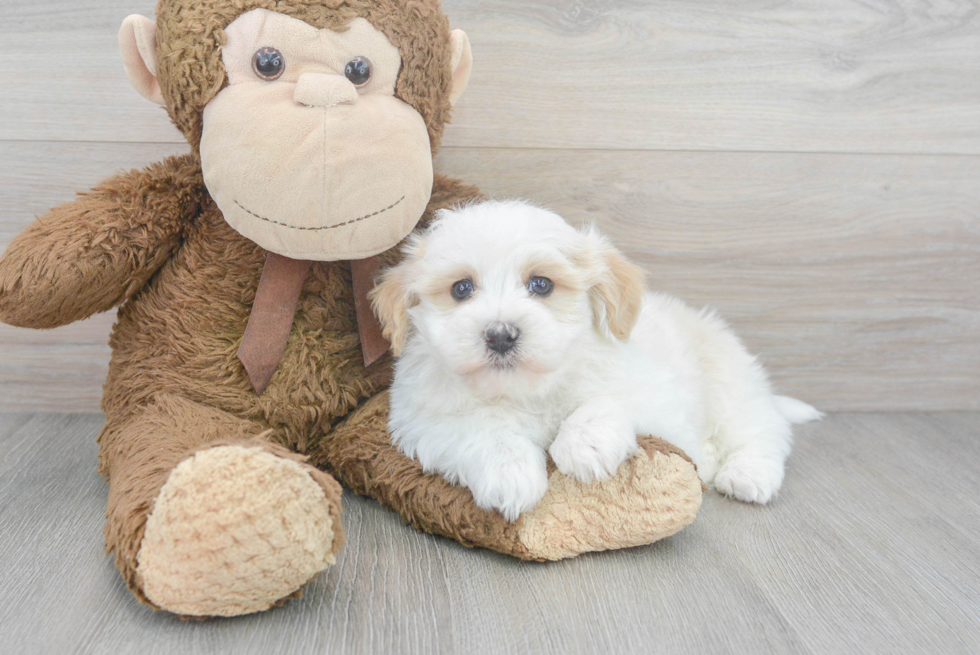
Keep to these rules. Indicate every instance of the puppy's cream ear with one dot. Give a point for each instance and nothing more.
(616, 286)
(391, 300)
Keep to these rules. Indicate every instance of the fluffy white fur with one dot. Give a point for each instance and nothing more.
(597, 362)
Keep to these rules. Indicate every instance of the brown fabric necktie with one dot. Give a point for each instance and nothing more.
(274, 308)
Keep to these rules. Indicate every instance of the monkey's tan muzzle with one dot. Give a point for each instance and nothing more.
(319, 180)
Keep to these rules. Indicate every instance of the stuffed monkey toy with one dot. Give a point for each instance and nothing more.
(248, 373)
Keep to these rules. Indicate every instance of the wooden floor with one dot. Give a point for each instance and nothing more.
(872, 547)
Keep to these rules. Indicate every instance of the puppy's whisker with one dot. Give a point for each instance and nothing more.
(470, 368)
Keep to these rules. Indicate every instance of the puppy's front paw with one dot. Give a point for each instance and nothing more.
(591, 448)
(511, 487)
(749, 479)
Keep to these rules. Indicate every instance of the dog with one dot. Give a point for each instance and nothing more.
(518, 336)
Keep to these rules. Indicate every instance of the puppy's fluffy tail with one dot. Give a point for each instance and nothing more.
(796, 411)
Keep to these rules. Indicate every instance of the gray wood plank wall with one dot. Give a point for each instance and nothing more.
(810, 169)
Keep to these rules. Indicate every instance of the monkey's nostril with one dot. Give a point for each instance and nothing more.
(501, 337)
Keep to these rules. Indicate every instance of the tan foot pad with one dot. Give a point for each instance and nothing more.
(234, 530)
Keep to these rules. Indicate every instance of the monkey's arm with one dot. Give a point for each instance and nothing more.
(653, 495)
(89, 255)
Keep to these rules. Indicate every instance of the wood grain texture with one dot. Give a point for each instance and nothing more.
(837, 75)
(872, 546)
(60, 370)
(854, 277)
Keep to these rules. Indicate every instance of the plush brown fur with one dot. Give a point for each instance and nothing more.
(175, 385)
(153, 241)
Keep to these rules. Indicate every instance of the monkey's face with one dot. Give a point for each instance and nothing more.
(307, 151)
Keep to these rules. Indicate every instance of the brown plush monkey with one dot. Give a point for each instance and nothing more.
(312, 125)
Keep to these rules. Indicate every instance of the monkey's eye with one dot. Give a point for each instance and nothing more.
(268, 63)
(540, 286)
(462, 290)
(358, 71)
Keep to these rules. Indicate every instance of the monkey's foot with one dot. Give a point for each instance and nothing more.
(235, 530)
(653, 495)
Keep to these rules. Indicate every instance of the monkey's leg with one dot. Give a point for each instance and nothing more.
(207, 516)
(652, 496)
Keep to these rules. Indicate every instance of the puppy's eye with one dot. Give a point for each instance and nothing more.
(540, 286)
(268, 63)
(462, 290)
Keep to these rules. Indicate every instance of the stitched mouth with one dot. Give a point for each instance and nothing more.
(317, 229)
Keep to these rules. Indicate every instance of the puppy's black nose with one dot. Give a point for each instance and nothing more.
(501, 337)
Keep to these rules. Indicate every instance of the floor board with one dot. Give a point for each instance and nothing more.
(873, 546)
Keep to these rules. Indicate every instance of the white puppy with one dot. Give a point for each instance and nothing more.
(520, 335)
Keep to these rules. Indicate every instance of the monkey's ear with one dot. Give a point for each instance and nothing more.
(138, 43)
(462, 64)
